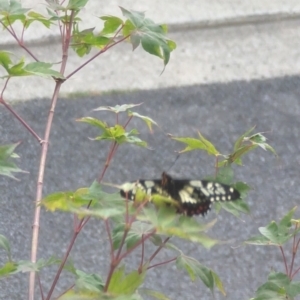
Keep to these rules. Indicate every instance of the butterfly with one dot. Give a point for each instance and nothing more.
(190, 196)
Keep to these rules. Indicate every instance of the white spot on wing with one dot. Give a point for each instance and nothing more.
(196, 183)
(186, 197)
(189, 189)
(149, 184)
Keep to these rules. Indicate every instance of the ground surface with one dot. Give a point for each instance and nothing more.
(221, 112)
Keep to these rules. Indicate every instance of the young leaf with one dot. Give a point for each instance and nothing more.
(197, 144)
(118, 108)
(7, 167)
(115, 133)
(111, 24)
(4, 243)
(134, 235)
(5, 60)
(240, 140)
(8, 269)
(76, 4)
(89, 282)
(12, 11)
(42, 69)
(196, 270)
(153, 294)
(150, 35)
(275, 234)
(149, 122)
(122, 284)
(33, 16)
(277, 287)
(167, 222)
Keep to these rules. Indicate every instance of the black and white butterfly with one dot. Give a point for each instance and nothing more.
(193, 197)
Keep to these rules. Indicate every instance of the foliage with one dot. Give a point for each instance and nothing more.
(280, 285)
(130, 226)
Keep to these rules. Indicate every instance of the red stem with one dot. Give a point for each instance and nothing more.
(296, 249)
(65, 291)
(116, 262)
(40, 286)
(162, 263)
(96, 55)
(110, 239)
(62, 265)
(159, 248)
(142, 258)
(284, 259)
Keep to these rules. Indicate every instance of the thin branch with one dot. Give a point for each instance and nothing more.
(116, 262)
(142, 256)
(96, 55)
(40, 286)
(162, 263)
(65, 291)
(39, 193)
(159, 248)
(62, 265)
(20, 43)
(129, 119)
(110, 239)
(111, 153)
(145, 237)
(19, 118)
(294, 250)
(284, 259)
(297, 246)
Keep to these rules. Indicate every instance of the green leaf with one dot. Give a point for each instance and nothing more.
(33, 16)
(122, 284)
(275, 234)
(111, 24)
(76, 4)
(7, 167)
(8, 269)
(196, 270)
(42, 69)
(150, 35)
(5, 60)
(134, 235)
(286, 221)
(83, 41)
(89, 282)
(294, 289)
(167, 222)
(115, 133)
(4, 243)
(225, 175)
(146, 119)
(18, 69)
(12, 11)
(153, 294)
(240, 140)
(197, 144)
(118, 108)
(277, 287)
(59, 201)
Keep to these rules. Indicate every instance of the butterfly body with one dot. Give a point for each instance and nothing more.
(192, 197)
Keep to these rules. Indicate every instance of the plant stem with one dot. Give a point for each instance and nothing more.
(97, 54)
(40, 181)
(62, 265)
(162, 263)
(284, 259)
(159, 248)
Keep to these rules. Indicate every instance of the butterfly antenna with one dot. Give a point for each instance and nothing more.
(177, 156)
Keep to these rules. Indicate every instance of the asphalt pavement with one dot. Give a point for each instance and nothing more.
(221, 112)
